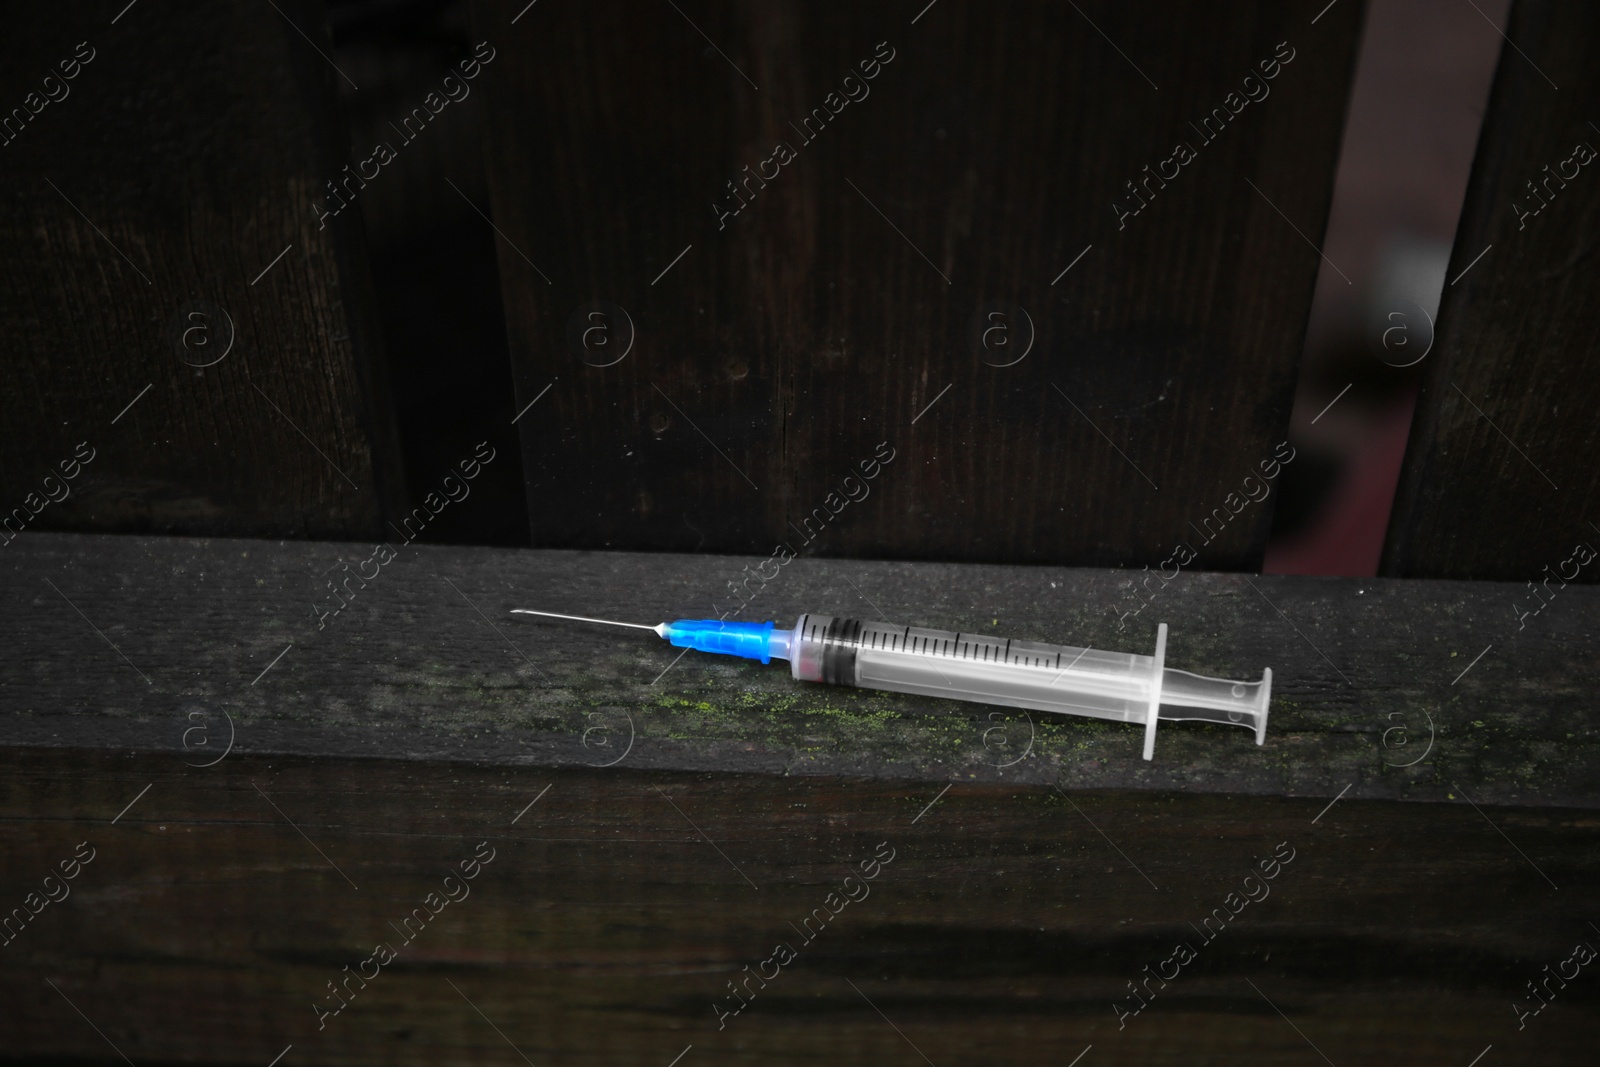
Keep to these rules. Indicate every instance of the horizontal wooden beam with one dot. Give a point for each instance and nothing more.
(1004, 923)
(421, 726)
(1414, 690)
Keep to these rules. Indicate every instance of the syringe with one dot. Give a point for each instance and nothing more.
(1120, 686)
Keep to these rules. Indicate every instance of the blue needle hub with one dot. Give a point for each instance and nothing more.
(752, 640)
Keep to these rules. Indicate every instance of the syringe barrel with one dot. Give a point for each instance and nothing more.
(1121, 686)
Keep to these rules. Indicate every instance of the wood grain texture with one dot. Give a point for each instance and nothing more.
(1500, 480)
(842, 307)
(185, 159)
(425, 664)
(616, 910)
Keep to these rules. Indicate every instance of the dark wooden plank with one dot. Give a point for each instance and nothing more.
(186, 156)
(606, 928)
(1500, 480)
(424, 663)
(837, 313)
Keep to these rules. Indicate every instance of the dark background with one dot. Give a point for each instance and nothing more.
(1254, 302)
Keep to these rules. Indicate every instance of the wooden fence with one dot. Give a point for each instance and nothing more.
(984, 318)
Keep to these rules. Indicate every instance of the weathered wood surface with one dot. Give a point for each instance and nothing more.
(742, 368)
(187, 155)
(1500, 479)
(425, 664)
(1009, 922)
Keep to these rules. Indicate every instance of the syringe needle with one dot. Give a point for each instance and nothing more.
(585, 618)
